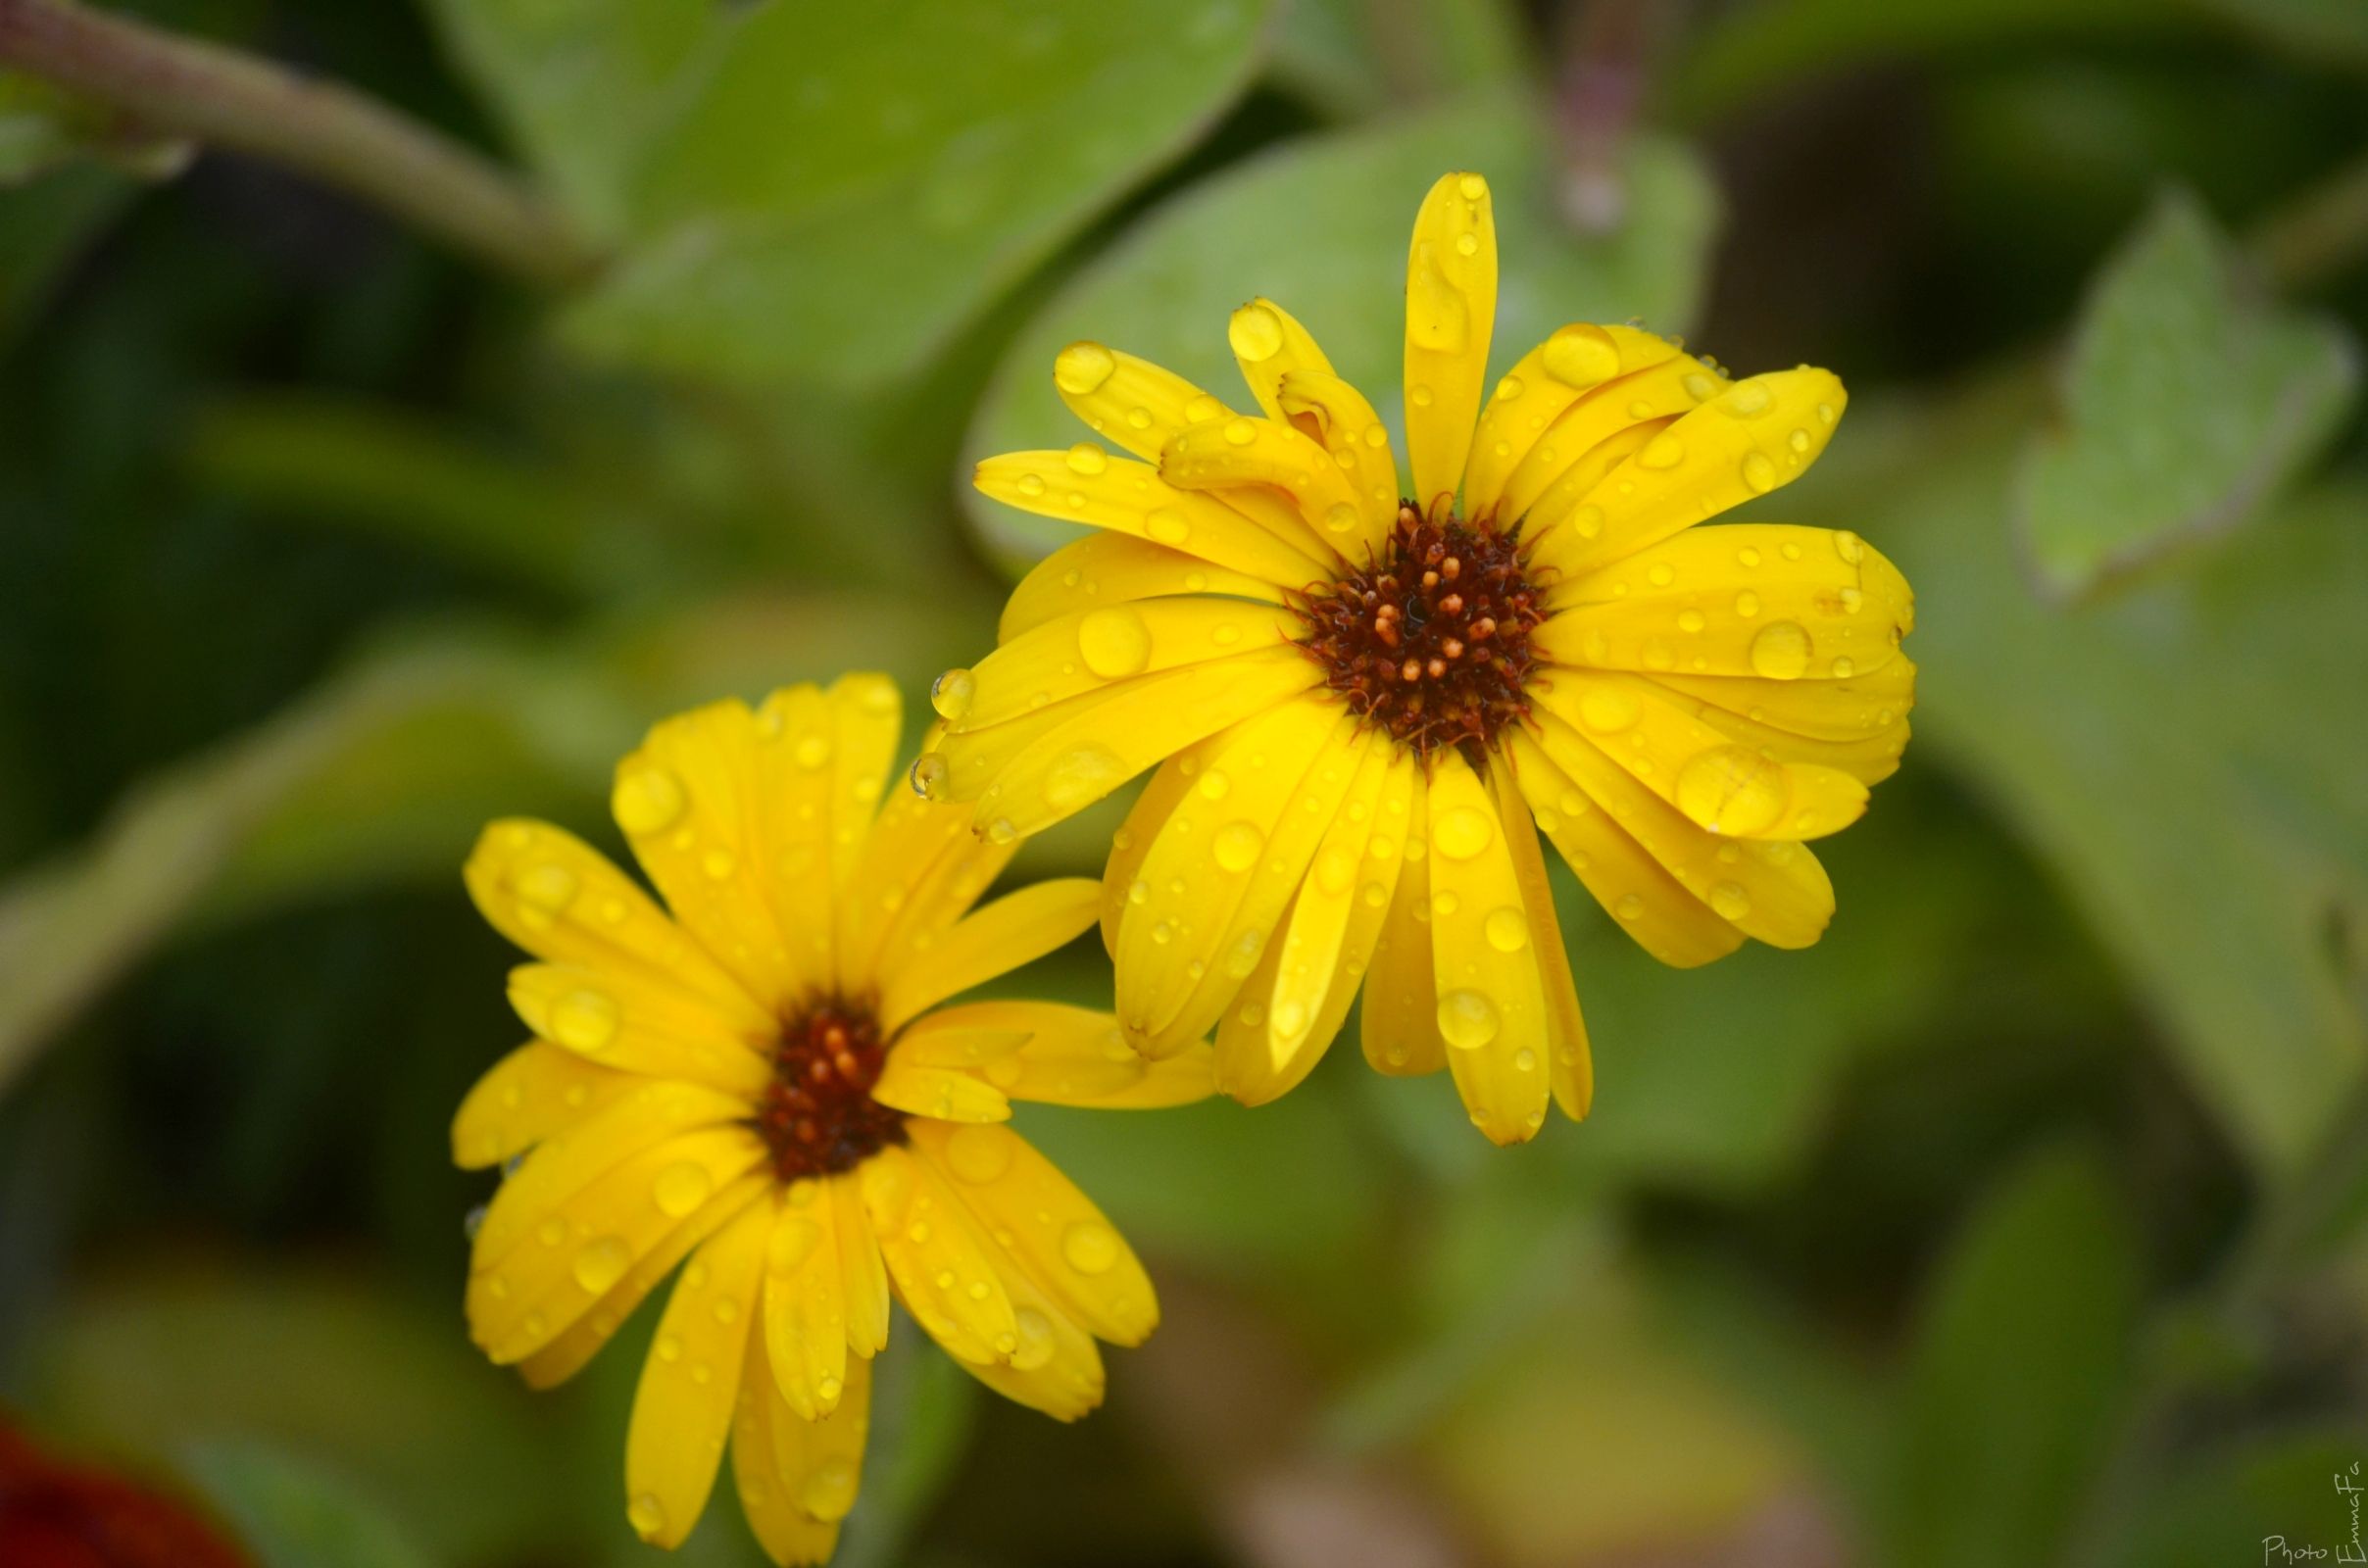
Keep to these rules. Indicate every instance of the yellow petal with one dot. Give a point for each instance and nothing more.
(1451, 312)
(1039, 1217)
(1091, 651)
(798, 1478)
(1130, 402)
(1542, 384)
(1752, 437)
(1571, 1062)
(862, 1275)
(1399, 1022)
(1349, 871)
(559, 899)
(1111, 737)
(938, 1257)
(1722, 785)
(1054, 1366)
(1224, 865)
(1268, 343)
(919, 872)
(1335, 415)
(1651, 905)
(565, 1356)
(1559, 507)
(1869, 760)
(1818, 605)
(690, 1385)
(527, 1095)
(1059, 1055)
(1131, 845)
(562, 1163)
(794, 810)
(1547, 480)
(805, 1301)
(946, 1093)
(636, 1025)
(1131, 498)
(1492, 1006)
(1869, 706)
(1015, 929)
(586, 1243)
(1114, 568)
(1241, 453)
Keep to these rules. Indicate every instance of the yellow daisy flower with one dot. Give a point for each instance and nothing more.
(1361, 702)
(766, 1083)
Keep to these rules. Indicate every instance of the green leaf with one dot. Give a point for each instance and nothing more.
(2187, 404)
(1321, 226)
(44, 225)
(298, 1513)
(2283, 1487)
(44, 126)
(2019, 1367)
(923, 157)
(585, 85)
(2313, 32)
(1357, 62)
(2172, 754)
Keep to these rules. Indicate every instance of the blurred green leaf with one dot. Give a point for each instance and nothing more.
(43, 126)
(1321, 226)
(44, 224)
(2315, 32)
(296, 1513)
(585, 85)
(922, 164)
(374, 1394)
(2233, 1502)
(2171, 753)
(2187, 404)
(1360, 59)
(2019, 1368)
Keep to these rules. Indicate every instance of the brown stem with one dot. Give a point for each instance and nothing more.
(188, 89)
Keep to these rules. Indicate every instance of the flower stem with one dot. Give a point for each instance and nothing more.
(189, 89)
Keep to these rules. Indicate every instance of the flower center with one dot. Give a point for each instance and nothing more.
(1431, 642)
(817, 1115)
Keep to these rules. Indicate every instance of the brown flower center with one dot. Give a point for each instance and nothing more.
(1431, 641)
(817, 1115)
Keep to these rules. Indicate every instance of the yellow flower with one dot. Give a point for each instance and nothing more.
(765, 1084)
(1361, 702)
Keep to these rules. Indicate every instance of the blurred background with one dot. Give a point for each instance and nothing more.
(346, 504)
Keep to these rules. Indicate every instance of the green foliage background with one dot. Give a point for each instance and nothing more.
(2023, 1221)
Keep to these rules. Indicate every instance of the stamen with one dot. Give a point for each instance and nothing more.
(817, 1116)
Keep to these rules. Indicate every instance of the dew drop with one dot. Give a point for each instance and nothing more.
(1758, 473)
(1581, 356)
(646, 1516)
(979, 1154)
(1464, 832)
(1087, 458)
(1733, 789)
(1730, 901)
(1255, 333)
(1467, 1020)
(1781, 651)
(1508, 929)
(952, 694)
(682, 1187)
(1167, 525)
(584, 1021)
(1082, 367)
(1608, 710)
(1237, 846)
(1090, 1248)
(647, 800)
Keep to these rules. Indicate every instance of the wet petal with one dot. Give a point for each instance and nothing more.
(1570, 1061)
(862, 1274)
(805, 1305)
(1117, 569)
(1530, 402)
(636, 1025)
(1492, 1007)
(690, 1385)
(1400, 1024)
(1017, 928)
(1268, 343)
(1090, 651)
(1551, 479)
(1451, 312)
(528, 1095)
(1131, 498)
(1336, 415)
(1242, 456)
(798, 1478)
(948, 1093)
(939, 1258)
(920, 872)
(1058, 1055)
(1130, 402)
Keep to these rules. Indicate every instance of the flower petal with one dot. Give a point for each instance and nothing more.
(1059, 1055)
(559, 899)
(636, 1025)
(1268, 344)
(1399, 1027)
(1571, 1063)
(528, 1095)
(942, 1264)
(862, 1274)
(919, 872)
(1354, 872)
(798, 1478)
(1113, 736)
(1576, 363)
(1651, 905)
(1131, 845)
(1492, 1006)
(1117, 569)
(1223, 867)
(805, 1305)
(591, 1239)
(948, 1093)
(1336, 415)
(1017, 928)
(1550, 479)
(1040, 1217)
(568, 1159)
(1721, 784)
(1132, 499)
(1814, 604)
(690, 1385)
(1451, 312)
(1242, 455)
(565, 1356)
(1131, 403)
(1752, 437)
(1090, 651)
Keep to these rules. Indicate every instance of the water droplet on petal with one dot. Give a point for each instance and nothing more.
(1581, 356)
(1088, 459)
(584, 1021)
(647, 1516)
(1237, 846)
(1467, 1020)
(931, 776)
(647, 800)
(952, 694)
(1255, 333)
(1090, 1248)
(1781, 651)
(1508, 929)
(682, 1187)
(1733, 789)
(1114, 643)
(1082, 367)
(1464, 832)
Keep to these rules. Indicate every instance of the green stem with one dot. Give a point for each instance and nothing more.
(188, 88)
